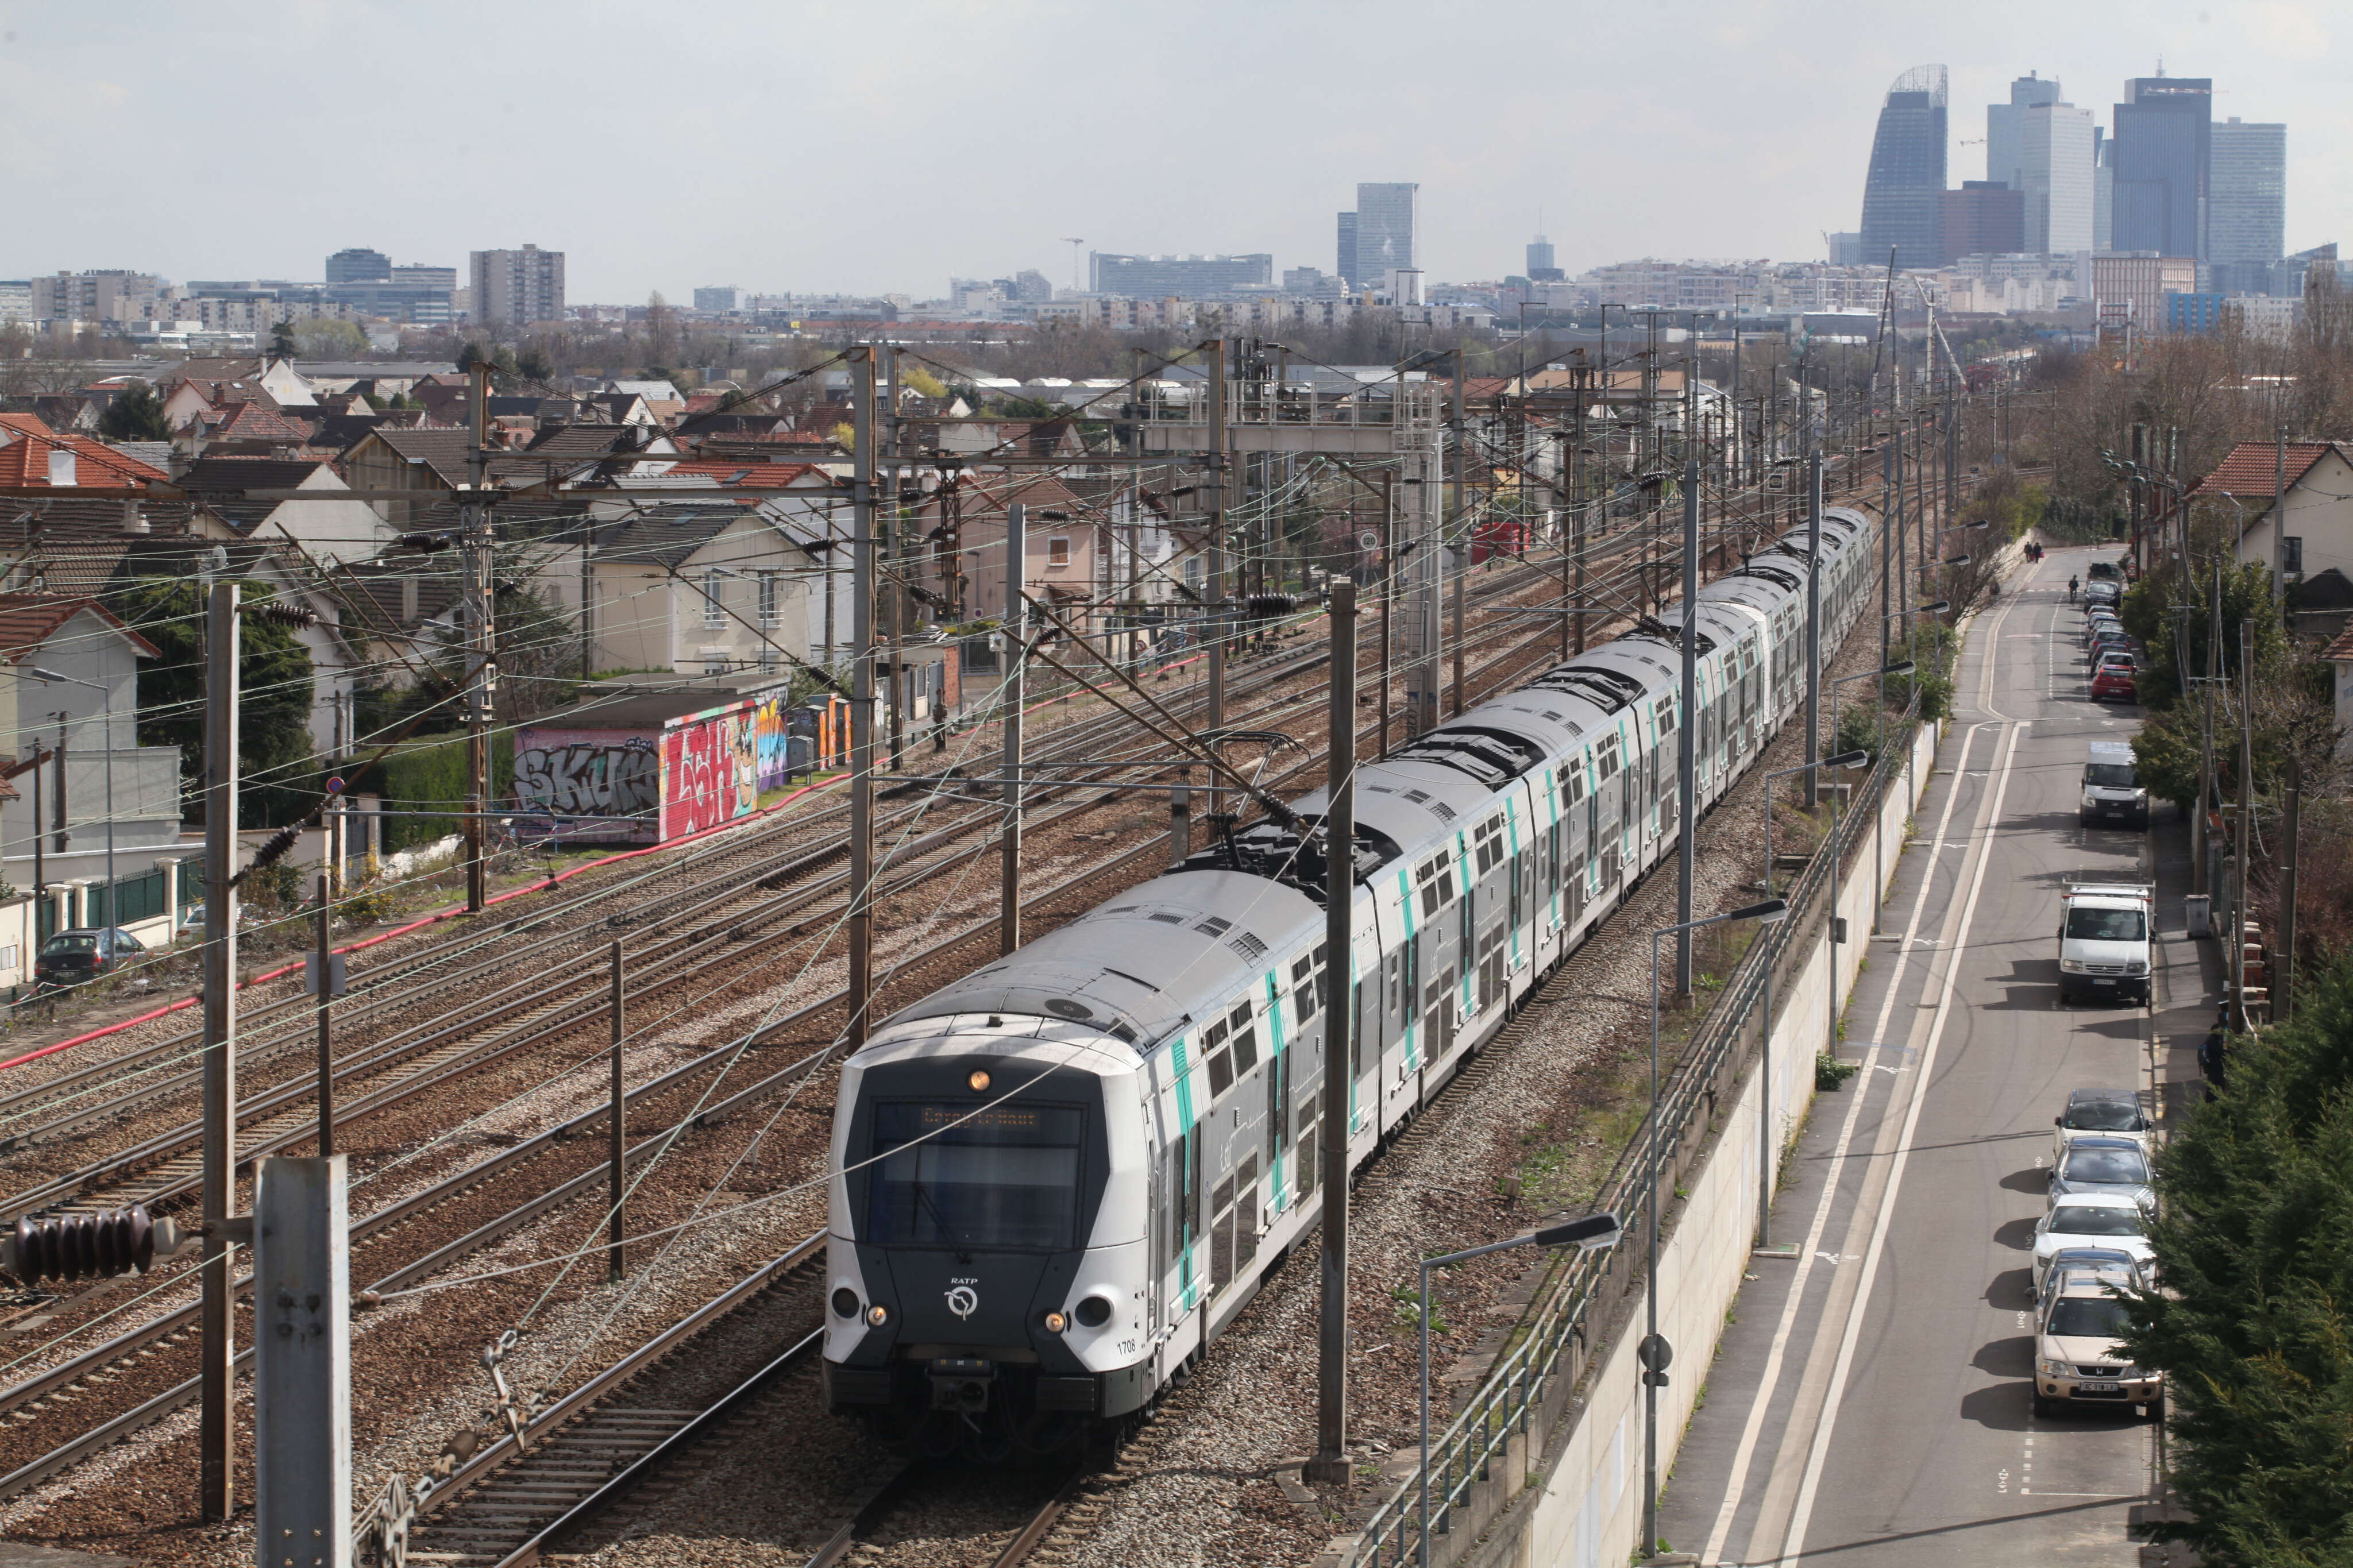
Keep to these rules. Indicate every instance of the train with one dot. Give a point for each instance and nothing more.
(1057, 1180)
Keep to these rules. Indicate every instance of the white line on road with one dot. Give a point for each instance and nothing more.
(1819, 1452)
(1753, 1428)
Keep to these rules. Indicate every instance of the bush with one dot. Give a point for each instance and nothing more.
(2253, 1238)
(1831, 1074)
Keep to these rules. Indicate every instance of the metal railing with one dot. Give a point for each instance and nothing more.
(1554, 1344)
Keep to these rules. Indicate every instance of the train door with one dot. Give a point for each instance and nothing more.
(1293, 1104)
(1488, 855)
(1576, 811)
(1611, 811)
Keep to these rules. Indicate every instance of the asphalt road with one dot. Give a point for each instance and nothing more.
(1871, 1404)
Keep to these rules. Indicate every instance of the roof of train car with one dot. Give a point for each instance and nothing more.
(1131, 967)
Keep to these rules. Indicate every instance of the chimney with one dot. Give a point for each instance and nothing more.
(133, 521)
(61, 466)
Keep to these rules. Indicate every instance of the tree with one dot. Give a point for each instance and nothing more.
(275, 764)
(324, 339)
(2253, 1240)
(281, 341)
(135, 414)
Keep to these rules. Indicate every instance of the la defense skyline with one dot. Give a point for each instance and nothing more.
(2163, 177)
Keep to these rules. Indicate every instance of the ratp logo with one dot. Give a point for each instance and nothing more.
(963, 1301)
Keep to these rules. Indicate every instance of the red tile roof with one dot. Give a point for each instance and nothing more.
(18, 426)
(27, 620)
(750, 476)
(2341, 650)
(97, 465)
(2252, 468)
(257, 422)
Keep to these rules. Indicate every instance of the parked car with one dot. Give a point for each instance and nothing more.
(2112, 1224)
(2101, 1113)
(2108, 639)
(2095, 1265)
(2118, 1167)
(2113, 679)
(2110, 787)
(71, 957)
(2077, 1357)
(2098, 617)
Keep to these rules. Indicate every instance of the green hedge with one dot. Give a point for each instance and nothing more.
(430, 775)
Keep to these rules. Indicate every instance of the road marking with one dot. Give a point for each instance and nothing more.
(1818, 1454)
(1744, 1455)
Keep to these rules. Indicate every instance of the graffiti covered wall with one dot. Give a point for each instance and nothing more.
(609, 773)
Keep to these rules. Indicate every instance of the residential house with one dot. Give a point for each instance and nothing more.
(72, 668)
(39, 459)
(433, 463)
(711, 588)
(2305, 537)
(327, 529)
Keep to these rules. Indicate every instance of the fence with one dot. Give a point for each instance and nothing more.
(141, 895)
(1524, 1393)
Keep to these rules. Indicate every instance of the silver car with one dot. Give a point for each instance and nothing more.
(2101, 1112)
(2104, 1167)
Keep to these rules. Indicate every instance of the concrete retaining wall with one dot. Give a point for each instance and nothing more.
(1583, 1506)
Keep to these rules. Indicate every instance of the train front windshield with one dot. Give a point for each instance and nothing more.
(950, 1176)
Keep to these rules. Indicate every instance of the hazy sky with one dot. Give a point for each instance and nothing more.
(886, 146)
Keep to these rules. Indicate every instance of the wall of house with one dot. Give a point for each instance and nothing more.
(2319, 511)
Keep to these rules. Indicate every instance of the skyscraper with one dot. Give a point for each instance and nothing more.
(1904, 190)
(2104, 190)
(2246, 204)
(2002, 123)
(518, 286)
(1384, 230)
(2054, 176)
(1347, 263)
(2164, 131)
(1541, 267)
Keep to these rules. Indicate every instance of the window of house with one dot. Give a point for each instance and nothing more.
(713, 614)
(1193, 573)
(768, 613)
(1057, 552)
(2291, 554)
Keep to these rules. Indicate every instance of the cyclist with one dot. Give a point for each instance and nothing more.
(2072, 583)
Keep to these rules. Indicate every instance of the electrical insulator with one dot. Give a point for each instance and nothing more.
(87, 1245)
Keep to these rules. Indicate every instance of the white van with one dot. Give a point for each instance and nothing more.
(2111, 792)
(2104, 941)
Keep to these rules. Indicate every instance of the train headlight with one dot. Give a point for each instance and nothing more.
(1055, 1322)
(878, 1314)
(845, 1302)
(979, 1081)
(1094, 1311)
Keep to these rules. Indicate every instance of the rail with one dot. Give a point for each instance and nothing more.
(1555, 1342)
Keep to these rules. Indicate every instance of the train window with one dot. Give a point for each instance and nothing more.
(1222, 1066)
(1436, 887)
(1302, 988)
(1664, 713)
(1324, 973)
(1395, 969)
(1487, 844)
(1311, 1127)
(1245, 1041)
(947, 1176)
(1278, 1105)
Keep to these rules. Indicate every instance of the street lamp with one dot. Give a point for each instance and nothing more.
(51, 678)
(1765, 1051)
(1652, 1348)
(1591, 1234)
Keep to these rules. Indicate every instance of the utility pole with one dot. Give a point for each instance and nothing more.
(1216, 609)
(1388, 599)
(1017, 653)
(1814, 631)
(474, 535)
(2283, 981)
(1330, 1465)
(2246, 815)
(302, 1363)
(324, 972)
(1461, 551)
(1417, 461)
(861, 701)
(616, 1144)
(1687, 733)
(217, 1434)
(891, 580)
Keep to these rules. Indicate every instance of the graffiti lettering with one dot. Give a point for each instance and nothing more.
(591, 779)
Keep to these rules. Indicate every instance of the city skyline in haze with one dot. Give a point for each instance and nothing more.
(737, 144)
